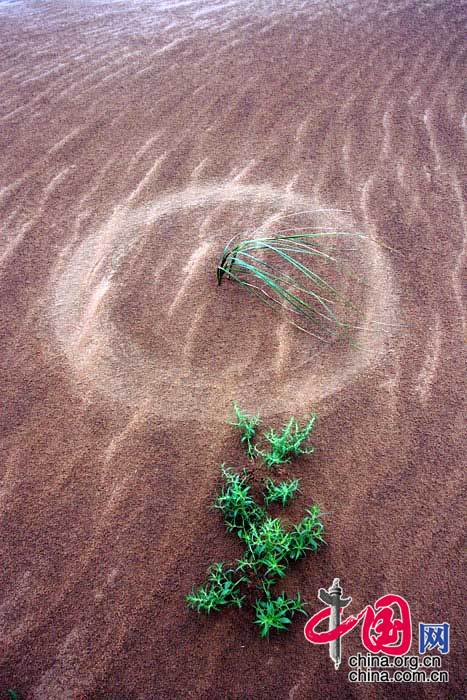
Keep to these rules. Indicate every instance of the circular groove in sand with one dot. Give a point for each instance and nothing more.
(87, 283)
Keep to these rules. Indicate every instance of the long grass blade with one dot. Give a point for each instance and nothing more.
(274, 272)
(295, 301)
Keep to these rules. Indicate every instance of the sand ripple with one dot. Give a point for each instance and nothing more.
(137, 137)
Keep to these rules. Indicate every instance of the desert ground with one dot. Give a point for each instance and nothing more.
(136, 138)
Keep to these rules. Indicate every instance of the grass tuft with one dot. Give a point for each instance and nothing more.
(278, 270)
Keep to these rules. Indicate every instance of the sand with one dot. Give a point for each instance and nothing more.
(136, 138)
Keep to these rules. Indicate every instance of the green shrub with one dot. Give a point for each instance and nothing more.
(307, 535)
(239, 509)
(276, 613)
(247, 425)
(282, 493)
(220, 590)
(288, 443)
(269, 547)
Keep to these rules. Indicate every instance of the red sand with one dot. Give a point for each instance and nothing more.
(136, 138)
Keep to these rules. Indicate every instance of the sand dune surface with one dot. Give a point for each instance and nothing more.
(136, 138)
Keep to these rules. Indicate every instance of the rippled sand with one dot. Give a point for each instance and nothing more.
(136, 138)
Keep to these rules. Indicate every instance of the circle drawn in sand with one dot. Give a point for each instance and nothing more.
(139, 316)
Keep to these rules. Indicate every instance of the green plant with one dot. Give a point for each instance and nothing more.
(269, 547)
(281, 276)
(288, 443)
(247, 425)
(239, 509)
(220, 590)
(307, 534)
(269, 550)
(282, 492)
(276, 613)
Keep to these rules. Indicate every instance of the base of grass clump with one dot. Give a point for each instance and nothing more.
(269, 547)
